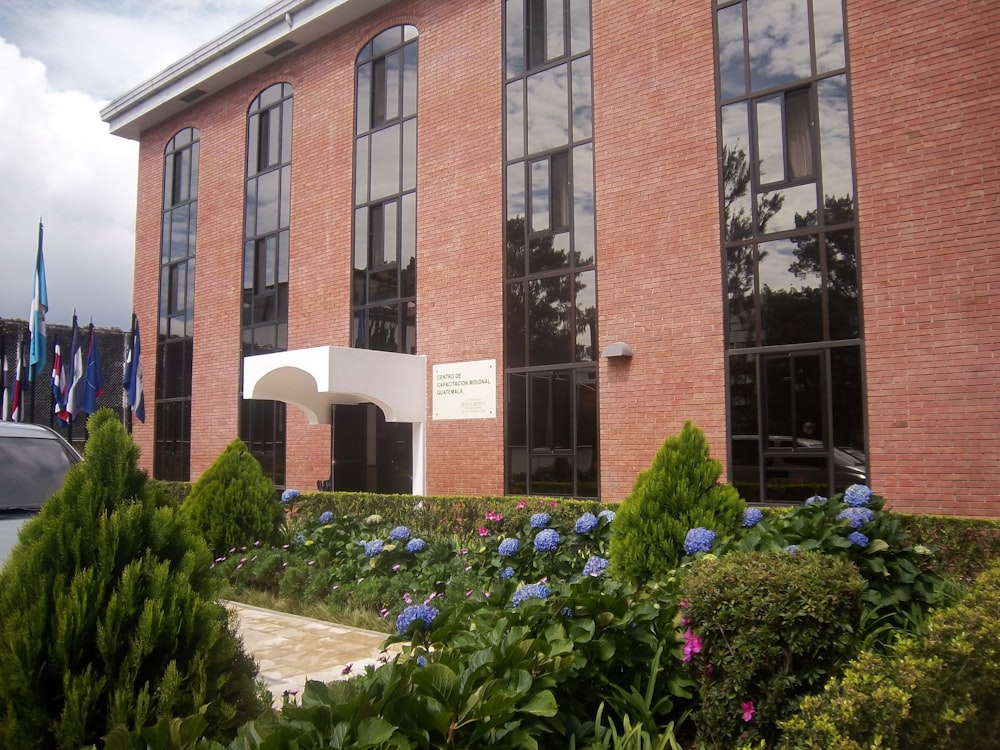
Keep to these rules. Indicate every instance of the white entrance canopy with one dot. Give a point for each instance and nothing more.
(320, 377)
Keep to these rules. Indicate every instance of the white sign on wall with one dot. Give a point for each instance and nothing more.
(465, 390)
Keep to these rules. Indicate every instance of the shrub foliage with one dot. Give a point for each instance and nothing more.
(108, 615)
(679, 492)
(233, 502)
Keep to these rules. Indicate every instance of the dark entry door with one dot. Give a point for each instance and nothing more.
(370, 454)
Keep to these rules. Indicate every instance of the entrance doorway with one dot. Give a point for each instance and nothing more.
(370, 454)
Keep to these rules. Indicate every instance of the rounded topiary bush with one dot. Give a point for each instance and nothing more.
(679, 492)
(109, 614)
(233, 503)
(762, 629)
(935, 691)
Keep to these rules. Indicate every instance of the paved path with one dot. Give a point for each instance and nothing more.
(291, 649)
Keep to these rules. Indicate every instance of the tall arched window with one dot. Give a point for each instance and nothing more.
(550, 268)
(175, 334)
(265, 264)
(384, 303)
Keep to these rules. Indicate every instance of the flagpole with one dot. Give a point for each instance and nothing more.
(39, 296)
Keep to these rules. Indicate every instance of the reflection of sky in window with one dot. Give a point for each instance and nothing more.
(361, 171)
(779, 42)
(582, 107)
(835, 137)
(586, 302)
(267, 202)
(555, 39)
(774, 268)
(515, 119)
(540, 195)
(548, 100)
(515, 190)
(385, 163)
(770, 140)
(515, 38)
(583, 203)
(799, 200)
(579, 18)
(731, 71)
(828, 22)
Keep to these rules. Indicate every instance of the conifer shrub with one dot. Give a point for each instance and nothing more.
(679, 492)
(762, 629)
(233, 504)
(934, 691)
(109, 614)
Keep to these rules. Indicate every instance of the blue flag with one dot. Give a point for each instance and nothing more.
(94, 386)
(132, 380)
(36, 318)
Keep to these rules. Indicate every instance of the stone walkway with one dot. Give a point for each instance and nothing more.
(291, 649)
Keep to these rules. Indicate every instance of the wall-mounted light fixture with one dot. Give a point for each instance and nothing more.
(617, 350)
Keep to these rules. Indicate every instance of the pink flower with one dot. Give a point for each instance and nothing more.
(407, 599)
(483, 531)
(692, 644)
(520, 505)
(748, 710)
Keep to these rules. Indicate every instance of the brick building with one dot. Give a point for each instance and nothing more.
(508, 246)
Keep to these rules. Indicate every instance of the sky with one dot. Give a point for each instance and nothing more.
(61, 62)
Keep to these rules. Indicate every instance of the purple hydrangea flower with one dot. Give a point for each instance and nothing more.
(531, 591)
(540, 520)
(698, 539)
(586, 523)
(415, 545)
(509, 547)
(595, 566)
(546, 540)
(399, 533)
(326, 517)
(858, 538)
(507, 572)
(857, 495)
(423, 613)
(856, 517)
(752, 517)
(373, 547)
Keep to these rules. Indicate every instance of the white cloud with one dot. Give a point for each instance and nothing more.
(61, 61)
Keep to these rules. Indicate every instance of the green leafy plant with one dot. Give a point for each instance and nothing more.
(933, 691)
(233, 503)
(762, 629)
(679, 492)
(109, 616)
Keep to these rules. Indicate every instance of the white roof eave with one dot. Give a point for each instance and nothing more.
(228, 58)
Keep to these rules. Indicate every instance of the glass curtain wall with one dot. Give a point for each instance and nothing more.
(550, 264)
(796, 403)
(175, 330)
(264, 321)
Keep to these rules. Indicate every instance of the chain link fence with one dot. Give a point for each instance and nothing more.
(38, 401)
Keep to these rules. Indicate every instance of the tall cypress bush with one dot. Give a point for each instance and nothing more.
(679, 492)
(109, 616)
(233, 503)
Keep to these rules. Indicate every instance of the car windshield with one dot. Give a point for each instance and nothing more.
(31, 469)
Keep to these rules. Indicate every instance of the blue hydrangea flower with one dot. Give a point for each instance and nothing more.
(586, 523)
(816, 500)
(752, 517)
(698, 539)
(547, 540)
(595, 566)
(399, 533)
(326, 517)
(415, 545)
(793, 549)
(856, 517)
(858, 538)
(423, 613)
(373, 547)
(507, 572)
(540, 520)
(289, 495)
(857, 495)
(509, 547)
(421, 661)
(531, 591)
(607, 514)
(566, 612)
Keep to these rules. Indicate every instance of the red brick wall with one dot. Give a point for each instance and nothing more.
(926, 107)
(658, 257)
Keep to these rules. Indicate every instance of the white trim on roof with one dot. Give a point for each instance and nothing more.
(228, 58)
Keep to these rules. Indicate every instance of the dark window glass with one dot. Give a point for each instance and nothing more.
(172, 395)
(385, 177)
